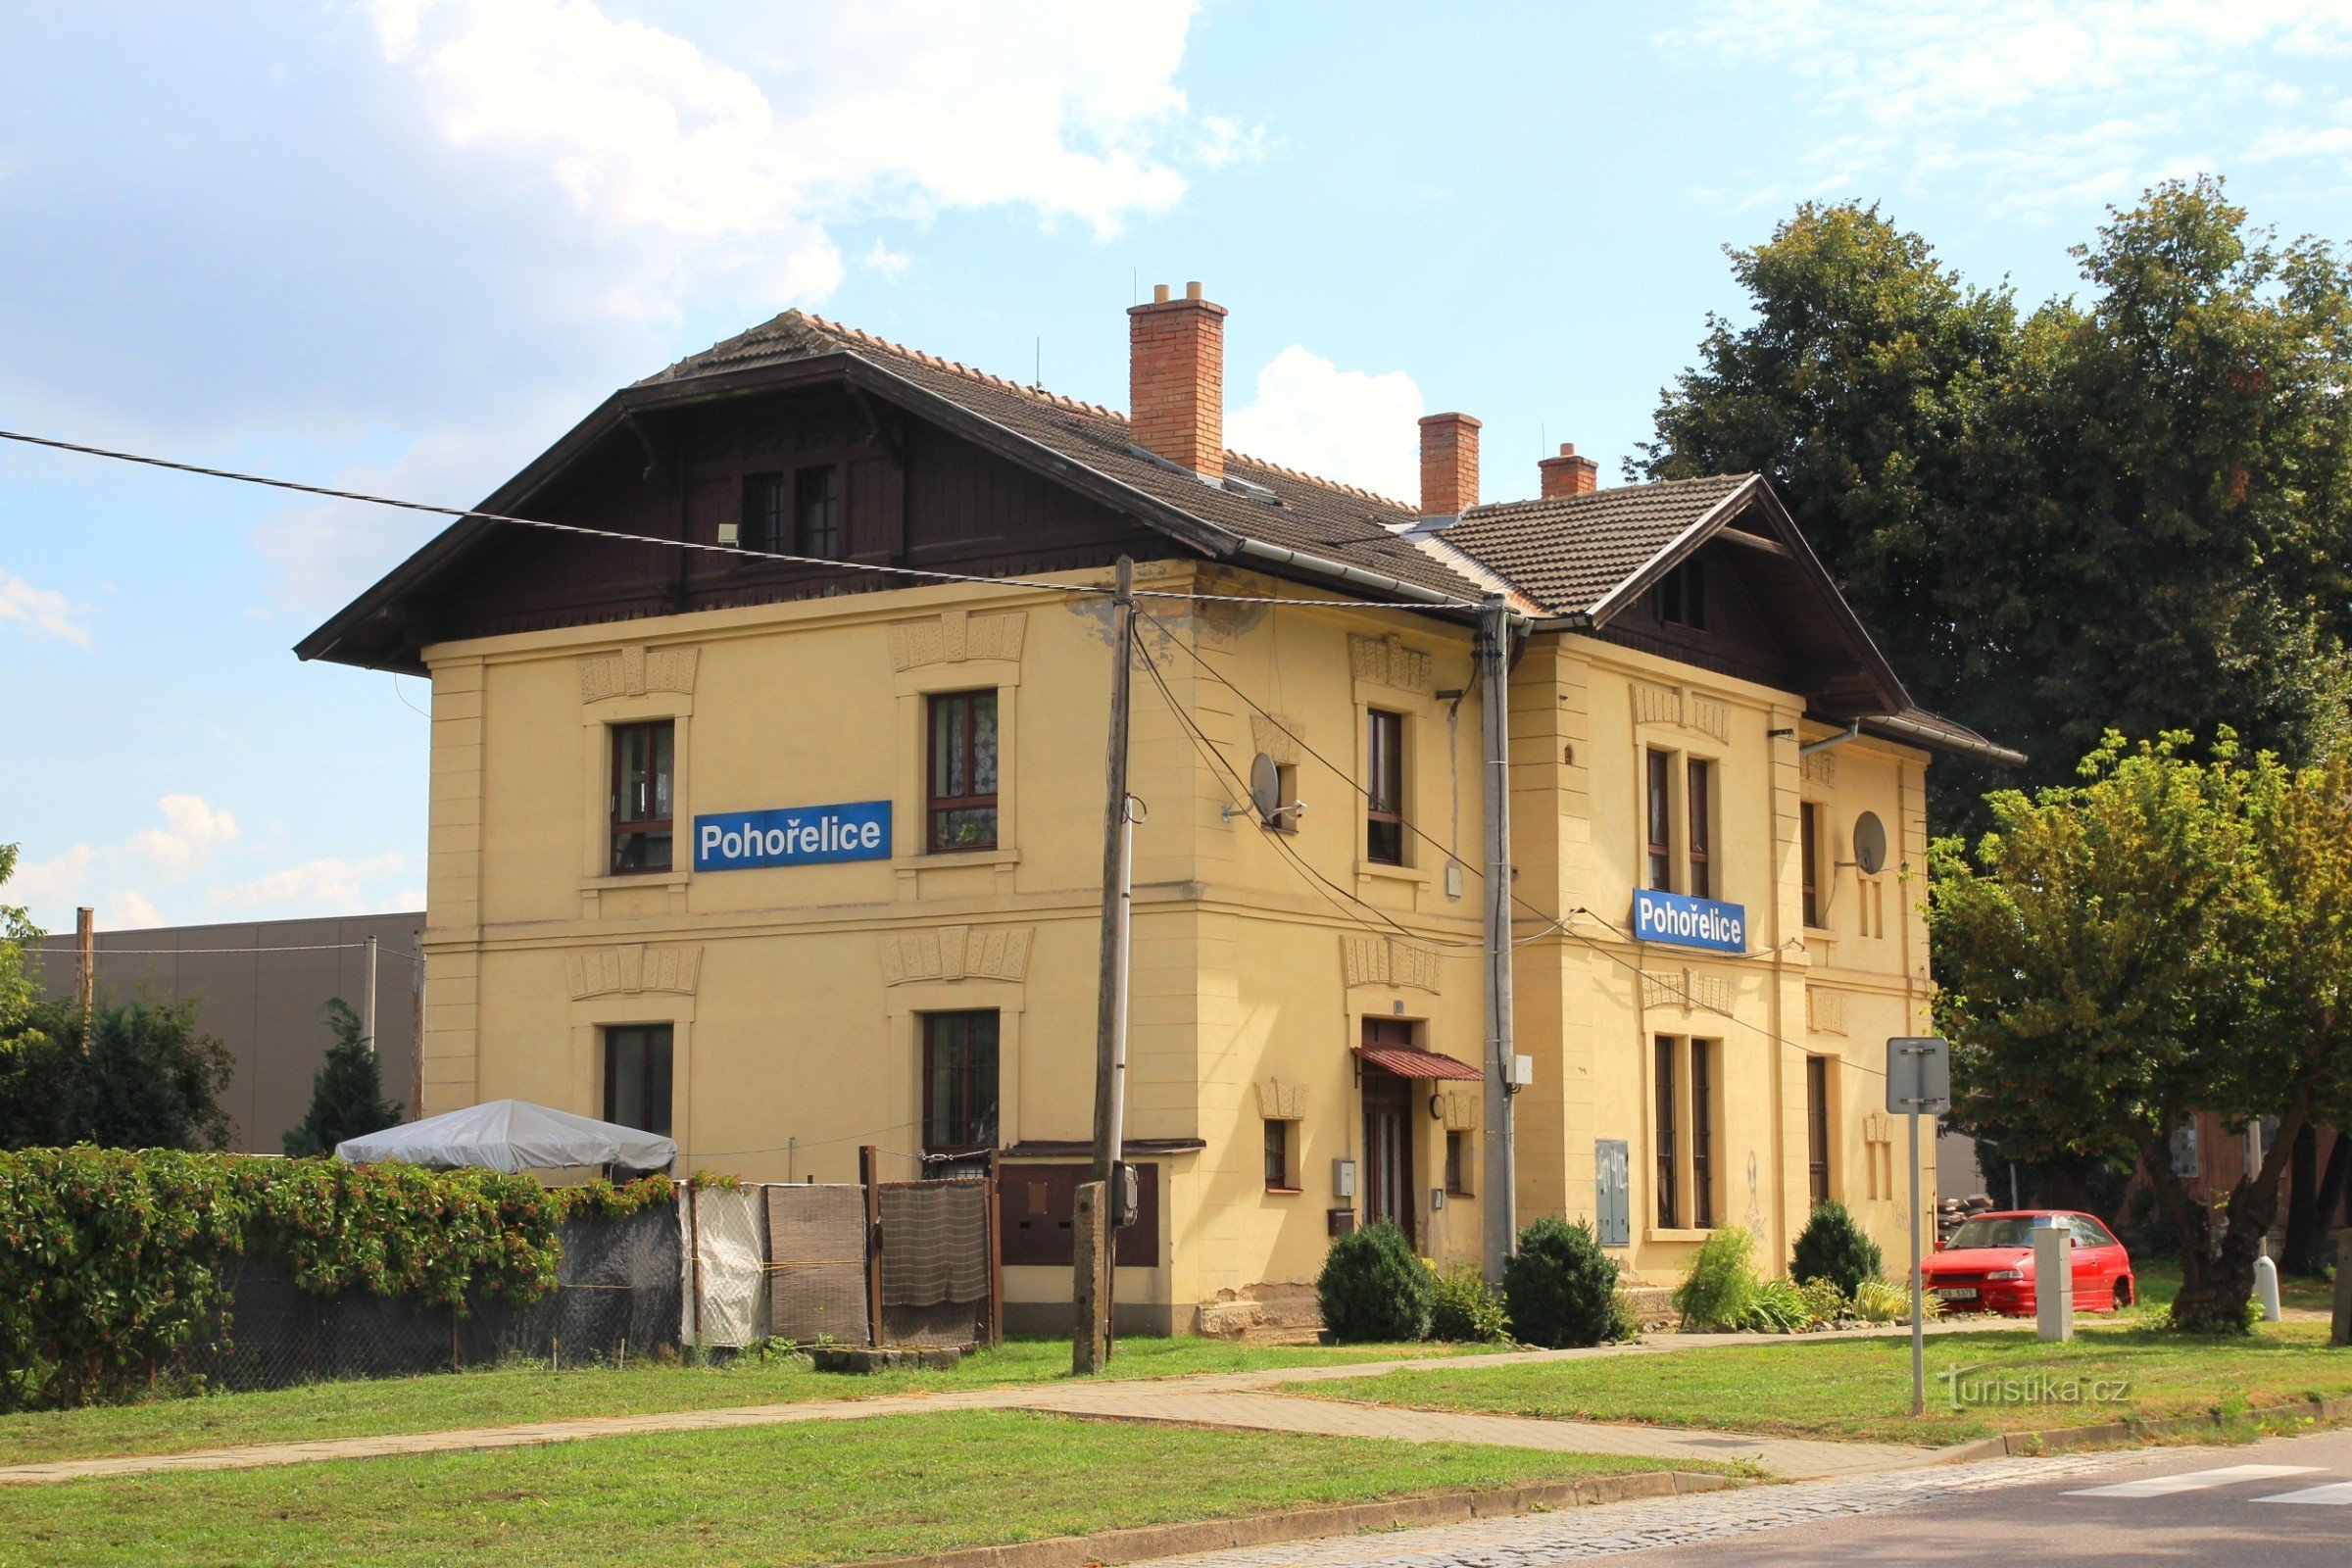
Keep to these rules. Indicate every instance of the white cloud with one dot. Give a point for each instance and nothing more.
(882, 258)
(44, 612)
(127, 911)
(193, 834)
(734, 159)
(1349, 425)
(2044, 98)
(329, 886)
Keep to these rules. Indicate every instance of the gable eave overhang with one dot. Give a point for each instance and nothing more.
(380, 602)
(1788, 545)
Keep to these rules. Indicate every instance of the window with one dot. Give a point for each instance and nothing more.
(2184, 1151)
(1278, 1159)
(1702, 1134)
(1809, 855)
(2089, 1232)
(766, 524)
(1683, 597)
(1660, 817)
(637, 1077)
(1383, 789)
(1700, 834)
(1457, 1164)
(964, 771)
(816, 513)
(1817, 1126)
(959, 1082)
(1668, 1208)
(642, 776)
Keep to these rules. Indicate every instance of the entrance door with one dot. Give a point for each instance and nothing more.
(1389, 1151)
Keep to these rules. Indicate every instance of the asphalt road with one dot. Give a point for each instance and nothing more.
(2282, 1503)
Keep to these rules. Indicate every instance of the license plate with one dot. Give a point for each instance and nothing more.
(1956, 1293)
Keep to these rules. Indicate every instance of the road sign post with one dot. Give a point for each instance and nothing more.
(1919, 1083)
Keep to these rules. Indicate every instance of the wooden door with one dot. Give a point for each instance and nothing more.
(1389, 1151)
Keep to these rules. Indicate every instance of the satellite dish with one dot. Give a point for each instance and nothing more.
(1870, 843)
(1265, 786)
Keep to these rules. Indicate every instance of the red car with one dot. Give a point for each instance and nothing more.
(1988, 1266)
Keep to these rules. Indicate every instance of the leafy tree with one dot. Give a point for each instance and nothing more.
(2132, 512)
(2166, 936)
(16, 930)
(134, 1075)
(347, 1096)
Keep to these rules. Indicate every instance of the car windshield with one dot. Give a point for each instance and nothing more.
(2012, 1231)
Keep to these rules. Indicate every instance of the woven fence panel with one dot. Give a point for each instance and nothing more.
(816, 1263)
(935, 1264)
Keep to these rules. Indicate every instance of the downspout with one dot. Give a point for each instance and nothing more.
(1853, 730)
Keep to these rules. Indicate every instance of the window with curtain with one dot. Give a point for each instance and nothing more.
(644, 767)
(964, 771)
(959, 1082)
(1384, 788)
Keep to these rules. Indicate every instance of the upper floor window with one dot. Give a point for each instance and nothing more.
(959, 1082)
(1683, 597)
(1701, 831)
(796, 512)
(1809, 854)
(1384, 788)
(1659, 816)
(964, 771)
(643, 771)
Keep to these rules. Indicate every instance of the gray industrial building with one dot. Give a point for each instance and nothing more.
(261, 987)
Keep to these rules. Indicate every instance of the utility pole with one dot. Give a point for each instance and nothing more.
(1501, 1173)
(86, 967)
(1091, 1243)
(368, 1013)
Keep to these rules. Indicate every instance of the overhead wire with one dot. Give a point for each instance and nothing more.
(735, 551)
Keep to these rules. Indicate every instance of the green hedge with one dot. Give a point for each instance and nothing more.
(111, 1260)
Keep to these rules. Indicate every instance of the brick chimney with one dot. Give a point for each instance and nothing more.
(1176, 379)
(1568, 475)
(1448, 464)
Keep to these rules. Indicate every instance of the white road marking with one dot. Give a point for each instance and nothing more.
(2335, 1496)
(2195, 1480)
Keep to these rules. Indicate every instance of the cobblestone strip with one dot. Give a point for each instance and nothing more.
(1531, 1540)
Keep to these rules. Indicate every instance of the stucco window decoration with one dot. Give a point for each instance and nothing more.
(1822, 768)
(1825, 1009)
(634, 671)
(1387, 662)
(954, 636)
(956, 953)
(1281, 1101)
(1370, 960)
(632, 969)
(1457, 1108)
(1277, 737)
(1878, 1127)
(1687, 989)
(1683, 710)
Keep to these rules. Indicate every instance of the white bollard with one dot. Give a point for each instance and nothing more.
(2053, 1284)
(2266, 1287)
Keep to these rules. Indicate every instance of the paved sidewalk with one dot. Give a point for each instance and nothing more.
(1215, 1399)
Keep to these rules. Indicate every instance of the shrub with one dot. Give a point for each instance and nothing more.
(1467, 1309)
(1722, 1283)
(1624, 1321)
(1881, 1301)
(1833, 1248)
(1373, 1288)
(1560, 1287)
(1779, 1307)
(1824, 1299)
(347, 1096)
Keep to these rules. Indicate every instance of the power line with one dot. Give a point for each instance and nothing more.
(736, 551)
(105, 951)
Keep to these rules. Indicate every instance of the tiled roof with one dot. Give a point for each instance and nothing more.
(1568, 553)
(1302, 513)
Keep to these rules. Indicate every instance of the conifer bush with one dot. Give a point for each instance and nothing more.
(1833, 1248)
(1560, 1287)
(1374, 1288)
(347, 1096)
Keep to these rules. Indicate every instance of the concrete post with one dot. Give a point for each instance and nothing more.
(2266, 1287)
(2339, 1331)
(1090, 1236)
(2053, 1284)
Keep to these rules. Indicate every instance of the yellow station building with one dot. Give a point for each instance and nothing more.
(789, 857)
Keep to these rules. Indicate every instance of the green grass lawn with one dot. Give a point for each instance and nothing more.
(824, 1492)
(2159, 1283)
(1861, 1388)
(507, 1395)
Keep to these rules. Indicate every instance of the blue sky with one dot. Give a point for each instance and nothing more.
(402, 244)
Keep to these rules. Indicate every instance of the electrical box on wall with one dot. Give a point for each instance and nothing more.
(1343, 1177)
(1523, 1072)
(1437, 1198)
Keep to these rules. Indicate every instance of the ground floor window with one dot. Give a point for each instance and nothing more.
(637, 1058)
(1280, 1174)
(1817, 1126)
(959, 1082)
(1457, 1164)
(1669, 1210)
(1702, 1134)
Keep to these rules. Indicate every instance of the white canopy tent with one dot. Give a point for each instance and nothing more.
(512, 1135)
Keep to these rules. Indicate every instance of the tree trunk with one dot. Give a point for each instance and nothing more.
(2304, 1241)
(2218, 1281)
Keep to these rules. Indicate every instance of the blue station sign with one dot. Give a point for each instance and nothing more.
(1686, 922)
(793, 835)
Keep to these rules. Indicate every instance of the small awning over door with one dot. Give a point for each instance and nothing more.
(1407, 1063)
